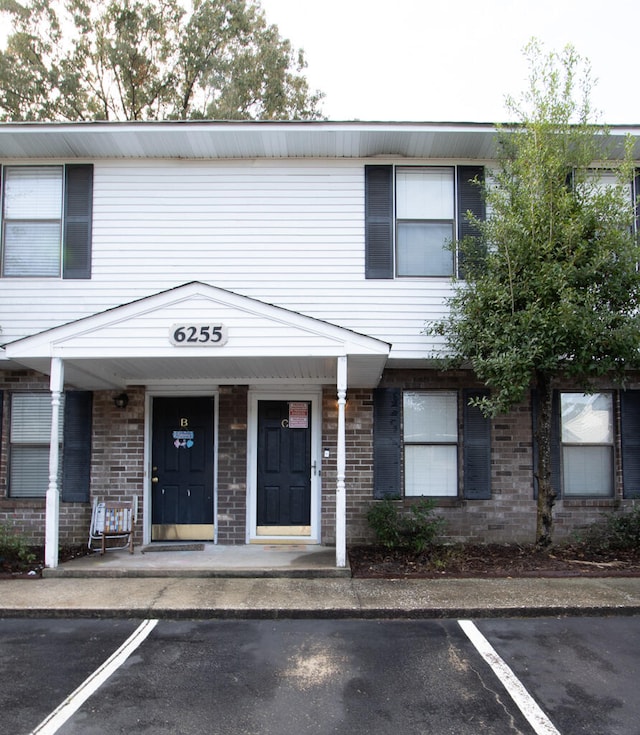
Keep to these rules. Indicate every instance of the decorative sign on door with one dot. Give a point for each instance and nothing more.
(298, 415)
(182, 439)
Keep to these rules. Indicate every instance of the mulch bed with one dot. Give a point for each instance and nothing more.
(491, 560)
(12, 567)
(456, 561)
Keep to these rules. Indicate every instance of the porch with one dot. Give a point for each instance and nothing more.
(275, 355)
(207, 560)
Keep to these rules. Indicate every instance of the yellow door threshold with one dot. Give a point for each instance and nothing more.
(301, 533)
(182, 532)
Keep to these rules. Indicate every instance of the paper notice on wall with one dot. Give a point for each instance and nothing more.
(298, 415)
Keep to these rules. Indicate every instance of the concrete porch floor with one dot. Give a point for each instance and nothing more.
(207, 560)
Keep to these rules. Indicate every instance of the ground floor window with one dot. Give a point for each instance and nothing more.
(30, 435)
(430, 434)
(587, 444)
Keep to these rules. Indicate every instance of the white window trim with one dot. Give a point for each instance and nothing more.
(611, 445)
(455, 445)
(397, 220)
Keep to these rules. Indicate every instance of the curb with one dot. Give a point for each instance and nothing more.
(322, 614)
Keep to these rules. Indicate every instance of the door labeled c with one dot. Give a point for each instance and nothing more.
(284, 468)
(182, 469)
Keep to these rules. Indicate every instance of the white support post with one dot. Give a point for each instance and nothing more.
(52, 523)
(341, 464)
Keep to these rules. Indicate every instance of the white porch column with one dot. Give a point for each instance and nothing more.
(341, 464)
(52, 529)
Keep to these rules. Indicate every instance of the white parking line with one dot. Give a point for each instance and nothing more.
(75, 700)
(541, 724)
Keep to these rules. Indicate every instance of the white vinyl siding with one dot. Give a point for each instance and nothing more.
(290, 233)
(30, 436)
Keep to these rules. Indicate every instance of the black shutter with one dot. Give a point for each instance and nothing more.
(78, 209)
(556, 446)
(630, 436)
(476, 459)
(387, 425)
(76, 448)
(378, 217)
(470, 199)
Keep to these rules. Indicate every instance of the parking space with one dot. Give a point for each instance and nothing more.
(43, 661)
(584, 671)
(321, 676)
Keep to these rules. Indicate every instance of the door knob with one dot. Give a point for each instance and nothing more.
(154, 479)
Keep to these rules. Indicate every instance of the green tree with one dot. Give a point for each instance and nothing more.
(149, 60)
(551, 285)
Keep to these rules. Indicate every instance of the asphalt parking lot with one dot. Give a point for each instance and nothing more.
(577, 675)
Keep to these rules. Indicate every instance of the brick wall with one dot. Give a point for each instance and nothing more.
(25, 515)
(359, 472)
(510, 514)
(117, 467)
(232, 465)
(117, 452)
(116, 464)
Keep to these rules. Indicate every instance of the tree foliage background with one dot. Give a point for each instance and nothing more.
(551, 287)
(69, 60)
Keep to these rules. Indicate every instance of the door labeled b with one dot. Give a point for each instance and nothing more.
(182, 481)
(284, 468)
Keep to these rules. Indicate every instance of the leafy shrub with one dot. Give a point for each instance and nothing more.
(619, 531)
(13, 546)
(396, 528)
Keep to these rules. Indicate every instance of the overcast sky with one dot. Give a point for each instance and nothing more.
(455, 60)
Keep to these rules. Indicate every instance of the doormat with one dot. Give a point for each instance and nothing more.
(172, 547)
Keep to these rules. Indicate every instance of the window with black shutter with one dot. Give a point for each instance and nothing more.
(418, 431)
(30, 438)
(412, 215)
(582, 443)
(46, 221)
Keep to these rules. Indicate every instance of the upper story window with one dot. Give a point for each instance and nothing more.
(46, 221)
(425, 218)
(32, 221)
(413, 213)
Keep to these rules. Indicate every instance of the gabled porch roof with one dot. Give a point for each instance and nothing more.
(132, 345)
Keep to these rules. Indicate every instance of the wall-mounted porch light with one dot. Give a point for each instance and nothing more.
(121, 401)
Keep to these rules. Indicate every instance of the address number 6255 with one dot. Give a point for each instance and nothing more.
(190, 335)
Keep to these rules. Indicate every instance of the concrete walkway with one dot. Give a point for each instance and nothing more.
(202, 598)
(293, 583)
(207, 560)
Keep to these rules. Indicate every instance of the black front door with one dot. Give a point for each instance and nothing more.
(284, 467)
(182, 469)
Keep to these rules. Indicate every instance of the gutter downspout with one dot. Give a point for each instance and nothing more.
(52, 519)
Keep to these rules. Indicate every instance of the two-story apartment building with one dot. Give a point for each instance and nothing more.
(227, 320)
